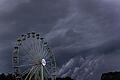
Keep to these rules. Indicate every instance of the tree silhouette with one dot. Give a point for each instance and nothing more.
(65, 78)
(111, 76)
(12, 77)
(2, 76)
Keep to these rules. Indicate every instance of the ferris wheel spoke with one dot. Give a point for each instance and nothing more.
(37, 46)
(36, 76)
(47, 71)
(29, 72)
(34, 50)
(38, 73)
(42, 48)
(33, 41)
(25, 59)
(46, 53)
(28, 47)
(39, 49)
(48, 61)
(46, 76)
(27, 52)
(48, 57)
(33, 46)
(27, 65)
(40, 76)
(33, 74)
(25, 71)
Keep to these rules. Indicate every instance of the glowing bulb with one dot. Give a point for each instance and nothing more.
(43, 62)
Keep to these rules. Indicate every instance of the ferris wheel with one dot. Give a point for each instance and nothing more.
(32, 58)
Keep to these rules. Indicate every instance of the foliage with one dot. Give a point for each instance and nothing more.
(111, 76)
(12, 77)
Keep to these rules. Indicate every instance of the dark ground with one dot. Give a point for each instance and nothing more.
(11, 77)
(105, 76)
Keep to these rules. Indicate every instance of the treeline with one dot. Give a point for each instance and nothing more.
(12, 77)
(111, 76)
(7, 77)
(66, 78)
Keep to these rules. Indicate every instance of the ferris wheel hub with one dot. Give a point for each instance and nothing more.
(43, 62)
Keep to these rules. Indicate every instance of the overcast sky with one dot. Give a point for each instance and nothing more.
(83, 34)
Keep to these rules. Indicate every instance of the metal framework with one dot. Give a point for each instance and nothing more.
(33, 59)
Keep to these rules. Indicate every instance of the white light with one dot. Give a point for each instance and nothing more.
(43, 62)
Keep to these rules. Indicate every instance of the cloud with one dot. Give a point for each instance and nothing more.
(91, 28)
(90, 67)
(84, 28)
(7, 6)
(18, 17)
(81, 68)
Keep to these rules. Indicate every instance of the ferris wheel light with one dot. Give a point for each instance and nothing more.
(43, 62)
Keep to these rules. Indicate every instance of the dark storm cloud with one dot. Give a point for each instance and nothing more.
(91, 27)
(31, 16)
(18, 17)
(6, 60)
(36, 15)
(7, 6)
(72, 27)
